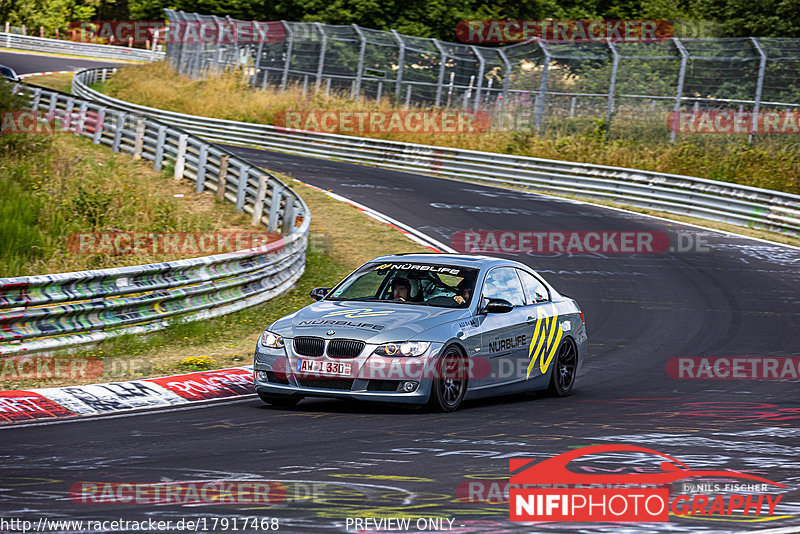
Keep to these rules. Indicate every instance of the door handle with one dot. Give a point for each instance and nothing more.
(530, 320)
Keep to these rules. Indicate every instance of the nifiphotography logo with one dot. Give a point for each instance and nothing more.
(548, 491)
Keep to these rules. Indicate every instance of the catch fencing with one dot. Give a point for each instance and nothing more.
(56, 310)
(685, 195)
(622, 89)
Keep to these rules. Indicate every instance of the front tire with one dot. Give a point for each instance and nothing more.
(450, 385)
(279, 400)
(562, 377)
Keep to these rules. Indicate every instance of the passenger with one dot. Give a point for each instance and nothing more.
(464, 290)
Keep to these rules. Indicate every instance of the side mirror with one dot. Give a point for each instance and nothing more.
(498, 306)
(318, 293)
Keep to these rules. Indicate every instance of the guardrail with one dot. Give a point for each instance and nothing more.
(55, 310)
(713, 200)
(98, 51)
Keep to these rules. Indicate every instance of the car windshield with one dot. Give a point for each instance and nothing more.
(6, 72)
(426, 284)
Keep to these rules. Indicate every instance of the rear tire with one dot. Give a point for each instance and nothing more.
(450, 385)
(562, 377)
(279, 400)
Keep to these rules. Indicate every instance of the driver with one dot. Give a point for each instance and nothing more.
(401, 289)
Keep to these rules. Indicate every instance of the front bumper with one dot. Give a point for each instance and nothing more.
(372, 378)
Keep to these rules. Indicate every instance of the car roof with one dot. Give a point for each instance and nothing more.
(462, 260)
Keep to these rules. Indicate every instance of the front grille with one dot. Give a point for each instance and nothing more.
(326, 383)
(277, 379)
(345, 348)
(383, 385)
(309, 346)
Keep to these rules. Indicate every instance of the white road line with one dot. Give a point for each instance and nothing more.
(411, 233)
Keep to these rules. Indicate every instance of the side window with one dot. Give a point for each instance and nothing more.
(534, 289)
(503, 283)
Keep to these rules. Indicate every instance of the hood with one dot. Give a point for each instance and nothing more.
(372, 322)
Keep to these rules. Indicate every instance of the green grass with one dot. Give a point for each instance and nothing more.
(59, 82)
(58, 185)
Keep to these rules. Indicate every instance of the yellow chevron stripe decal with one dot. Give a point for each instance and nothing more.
(544, 342)
(553, 344)
(536, 332)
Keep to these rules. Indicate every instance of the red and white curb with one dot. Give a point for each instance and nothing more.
(97, 399)
(411, 233)
(30, 74)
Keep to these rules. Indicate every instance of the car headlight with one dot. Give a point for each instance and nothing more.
(272, 340)
(403, 348)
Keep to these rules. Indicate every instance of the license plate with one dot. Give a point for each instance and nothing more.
(324, 368)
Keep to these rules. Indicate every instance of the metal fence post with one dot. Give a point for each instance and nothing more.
(241, 189)
(762, 66)
(288, 60)
(100, 125)
(222, 182)
(289, 216)
(257, 63)
(202, 160)
(235, 51)
(159, 156)
(220, 49)
(154, 49)
(401, 56)
(37, 96)
(68, 112)
(612, 85)
(506, 78)
(361, 52)
(81, 118)
(442, 67)
(180, 35)
(540, 97)
(138, 143)
(51, 109)
(258, 205)
(322, 50)
(481, 71)
(195, 61)
(274, 206)
(121, 116)
(679, 92)
(180, 157)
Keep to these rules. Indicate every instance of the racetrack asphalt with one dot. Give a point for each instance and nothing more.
(28, 63)
(739, 298)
